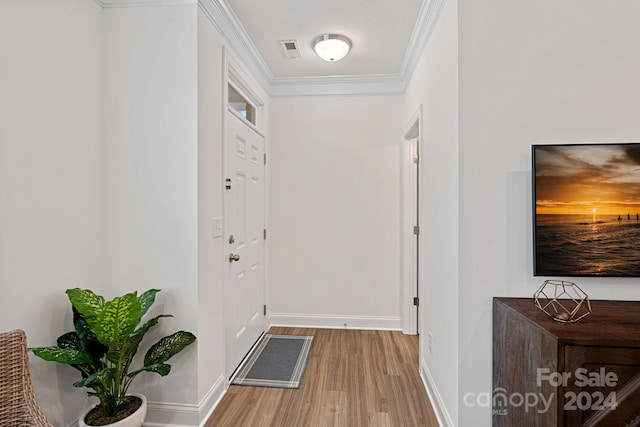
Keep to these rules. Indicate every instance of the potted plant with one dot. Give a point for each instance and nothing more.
(102, 346)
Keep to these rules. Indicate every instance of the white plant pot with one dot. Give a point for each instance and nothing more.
(133, 420)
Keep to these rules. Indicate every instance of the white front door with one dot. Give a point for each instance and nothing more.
(244, 240)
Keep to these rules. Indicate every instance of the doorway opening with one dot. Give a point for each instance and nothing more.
(410, 230)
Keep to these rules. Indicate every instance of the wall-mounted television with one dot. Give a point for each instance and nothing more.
(586, 216)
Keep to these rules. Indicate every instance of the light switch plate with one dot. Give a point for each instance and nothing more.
(217, 227)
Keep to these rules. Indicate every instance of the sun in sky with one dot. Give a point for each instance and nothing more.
(587, 179)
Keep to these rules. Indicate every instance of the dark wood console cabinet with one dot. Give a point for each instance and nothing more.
(587, 372)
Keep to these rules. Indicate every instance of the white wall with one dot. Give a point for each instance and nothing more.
(334, 208)
(110, 155)
(51, 197)
(530, 72)
(211, 381)
(434, 85)
(151, 163)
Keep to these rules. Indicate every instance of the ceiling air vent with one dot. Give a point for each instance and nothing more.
(290, 49)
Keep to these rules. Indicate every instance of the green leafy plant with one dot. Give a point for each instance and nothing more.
(105, 340)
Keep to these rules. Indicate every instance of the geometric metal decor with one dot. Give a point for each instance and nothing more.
(562, 301)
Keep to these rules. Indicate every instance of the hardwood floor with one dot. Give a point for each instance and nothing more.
(353, 378)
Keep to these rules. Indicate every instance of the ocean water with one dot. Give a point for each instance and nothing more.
(587, 245)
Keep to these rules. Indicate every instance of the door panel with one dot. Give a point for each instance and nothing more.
(244, 220)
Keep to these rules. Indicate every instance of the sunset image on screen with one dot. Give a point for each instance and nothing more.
(602, 179)
(587, 210)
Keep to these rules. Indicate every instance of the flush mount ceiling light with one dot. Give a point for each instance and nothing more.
(332, 47)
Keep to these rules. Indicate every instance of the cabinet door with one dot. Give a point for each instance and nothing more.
(520, 348)
(604, 386)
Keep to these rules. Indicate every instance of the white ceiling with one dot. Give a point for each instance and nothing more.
(388, 38)
(380, 31)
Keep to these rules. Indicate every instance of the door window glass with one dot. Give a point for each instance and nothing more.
(241, 106)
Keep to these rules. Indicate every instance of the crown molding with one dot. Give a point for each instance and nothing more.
(425, 24)
(229, 26)
(380, 84)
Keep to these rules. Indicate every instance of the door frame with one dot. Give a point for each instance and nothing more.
(410, 208)
(233, 74)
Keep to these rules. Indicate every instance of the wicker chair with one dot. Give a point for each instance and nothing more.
(18, 405)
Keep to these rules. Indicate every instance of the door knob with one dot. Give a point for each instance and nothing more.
(234, 257)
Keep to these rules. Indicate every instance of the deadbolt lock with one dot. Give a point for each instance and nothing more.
(232, 239)
(234, 257)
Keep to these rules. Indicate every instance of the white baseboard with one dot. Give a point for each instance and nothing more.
(161, 414)
(329, 321)
(444, 419)
(171, 415)
(212, 399)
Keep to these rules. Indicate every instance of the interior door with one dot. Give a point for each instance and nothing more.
(410, 236)
(244, 239)
(415, 205)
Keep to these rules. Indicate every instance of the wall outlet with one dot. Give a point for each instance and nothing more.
(430, 342)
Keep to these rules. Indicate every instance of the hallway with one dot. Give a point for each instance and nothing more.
(353, 378)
